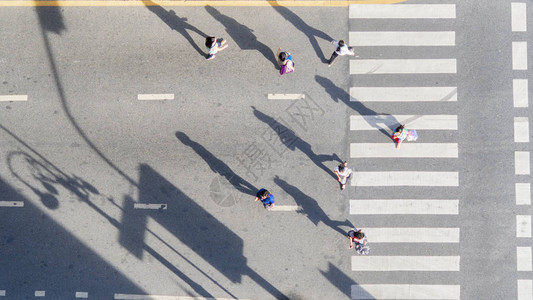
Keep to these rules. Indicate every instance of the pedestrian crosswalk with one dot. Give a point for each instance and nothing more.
(402, 96)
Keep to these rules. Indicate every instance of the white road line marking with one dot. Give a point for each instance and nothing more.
(523, 259)
(525, 289)
(285, 96)
(286, 208)
(412, 235)
(403, 66)
(405, 263)
(13, 97)
(163, 297)
(402, 11)
(433, 150)
(523, 226)
(521, 130)
(389, 122)
(402, 38)
(155, 97)
(11, 203)
(40, 293)
(404, 207)
(149, 206)
(523, 193)
(521, 162)
(407, 178)
(520, 93)
(405, 291)
(82, 295)
(403, 94)
(519, 55)
(2, 292)
(518, 16)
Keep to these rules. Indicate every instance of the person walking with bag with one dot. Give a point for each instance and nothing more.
(358, 239)
(343, 173)
(401, 133)
(285, 62)
(340, 49)
(266, 198)
(214, 45)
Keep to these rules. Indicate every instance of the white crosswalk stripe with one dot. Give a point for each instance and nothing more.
(402, 38)
(403, 94)
(404, 207)
(406, 291)
(402, 11)
(420, 122)
(404, 66)
(413, 235)
(374, 186)
(367, 150)
(405, 263)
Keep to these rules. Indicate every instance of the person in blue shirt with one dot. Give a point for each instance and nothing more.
(266, 198)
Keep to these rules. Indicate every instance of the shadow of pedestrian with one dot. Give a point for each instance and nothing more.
(310, 207)
(289, 138)
(338, 94)
(242, 35)
(176, 23)
(345, 284)
(218, 166)
(310, 32)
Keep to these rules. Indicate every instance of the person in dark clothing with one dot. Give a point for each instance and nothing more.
(266, 198)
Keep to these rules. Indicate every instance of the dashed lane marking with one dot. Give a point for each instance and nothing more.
(11, 203)
(13, 98)
(518, 16)
(521, 130)
(286, 208)
(523, 259)
(149, 206)
(523, 226)
(155, 97)
(82, 295)
(523, 193)
(519, 55)
(525, 289)
(285, 96)
(520, 93)
(521, 162)
(40, 293)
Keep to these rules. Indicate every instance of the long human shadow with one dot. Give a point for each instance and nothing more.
(287, 136)
(51, 21)
(43, 254)
(310, 207)
(200, 231)
(217, 165)
(338, 94)
(311, 32)
(176, 23)
(345, 283)
(242, 35)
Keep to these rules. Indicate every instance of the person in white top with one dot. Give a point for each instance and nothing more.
(343, 173)
(340, 49)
